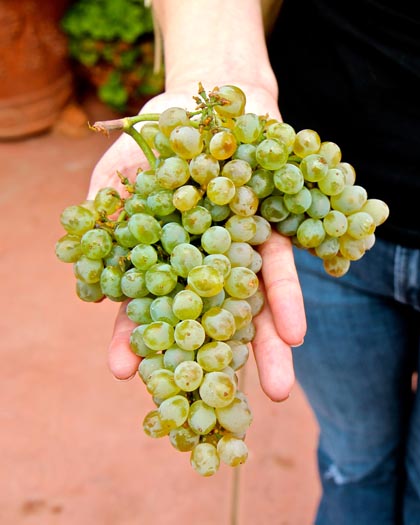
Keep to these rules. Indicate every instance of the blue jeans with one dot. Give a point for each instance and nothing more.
(356, 368)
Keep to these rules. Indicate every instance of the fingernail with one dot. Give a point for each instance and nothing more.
(299, 344)
(123, 380)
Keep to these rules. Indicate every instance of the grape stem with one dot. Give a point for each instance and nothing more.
(126, 125)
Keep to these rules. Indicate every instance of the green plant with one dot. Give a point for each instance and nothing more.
(113, 43)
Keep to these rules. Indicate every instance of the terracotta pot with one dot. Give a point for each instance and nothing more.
(35, 74)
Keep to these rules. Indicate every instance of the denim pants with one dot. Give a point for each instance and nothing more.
(356, 368)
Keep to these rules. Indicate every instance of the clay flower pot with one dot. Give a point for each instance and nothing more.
(35, 75)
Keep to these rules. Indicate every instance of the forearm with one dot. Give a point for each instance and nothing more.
(215, 42)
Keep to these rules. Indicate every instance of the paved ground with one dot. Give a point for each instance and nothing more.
(73, 451)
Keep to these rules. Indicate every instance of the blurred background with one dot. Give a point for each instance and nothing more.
(73, 450)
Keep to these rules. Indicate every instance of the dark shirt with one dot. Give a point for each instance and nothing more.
(350, 70)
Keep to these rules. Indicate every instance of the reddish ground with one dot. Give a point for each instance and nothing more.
(73, 451)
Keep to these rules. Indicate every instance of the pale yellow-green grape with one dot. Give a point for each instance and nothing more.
(174, 355)
(288, 179)
(187, 304)
(333, 183)
(186, 141)
(310, 233)
(138, 310)
(248, 128)
(360, 225)
(335, 223)
(307, 142)
(110, 281)
(171, 118)
(336, 266)
(236, 417)
(377, 209)
(241, 283)
(215, 240)
(240, 354)
(172, 173)
(161, 384)
(149, 130)
(246, 152)
(188, 375)
(352, 249)
(240, 309)
(77, 220)
(263, 231)
(152, 425)
(349, 172)
(217, 389)
(218, 323)
(331, 153)
(245, 334)
(133, 283)
(314, 167)
(282, 132)
(149, 364)
(186, 197)
(273, 209)
(183, 438)
(146, 183)
(320, 204)
(238, 171)
(161, 309)
(137, 344)
(214, 356)
(240, 254)
(107, 200)
(189, 334)
(262, 183)
(232, 451)
(203, 168)
(202, 417)
(68, 248)
(89, 292)
(256, 262)
(158, 335)
(173, 412)
(271, 154)
(223, 145)
(204, 459)
(349, 200)
(143, 256)
(328, 248)
(205, 280)
(185, 257)
(161, 279)
(196, 220)
(234, 100)
(299, 202)
(221, 190)
(219, 261)
(88, 270)
(145, 228)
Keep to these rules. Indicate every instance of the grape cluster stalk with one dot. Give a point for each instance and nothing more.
(181, 248)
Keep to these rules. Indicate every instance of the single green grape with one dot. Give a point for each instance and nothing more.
(187, 305)
(189, 334)
(77, 220)
(188, 375)
(68, 249)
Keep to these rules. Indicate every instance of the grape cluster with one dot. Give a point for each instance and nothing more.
(181, 248)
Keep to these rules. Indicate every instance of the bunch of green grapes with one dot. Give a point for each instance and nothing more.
(182, 250)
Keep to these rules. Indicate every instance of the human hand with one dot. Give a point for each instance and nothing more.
(281, 324)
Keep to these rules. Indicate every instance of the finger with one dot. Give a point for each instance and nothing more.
(282, 287)
(122, 362)
(273, 357)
